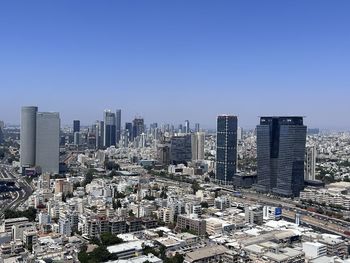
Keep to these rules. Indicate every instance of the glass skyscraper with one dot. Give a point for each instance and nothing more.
(226, 148)
(76, 126)
(109, 137)
(280, 155)
(118, 123)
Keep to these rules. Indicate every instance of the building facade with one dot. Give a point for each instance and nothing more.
(47, 141)
(280, 155)
(226, 148)
(28, 136)
(197, 142)
(109, 137)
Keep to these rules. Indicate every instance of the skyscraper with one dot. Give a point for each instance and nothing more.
(1, 135)
(28, 136)
(226, 148)
(47, 141)
(118, 123)
(280, 155)
(310, 163)
(128, 127)
(99, 134)
(76, 126)
(109, 137)
(197, 127)
(138, 127)
(187, 126)
(197, 142)
(180, 149)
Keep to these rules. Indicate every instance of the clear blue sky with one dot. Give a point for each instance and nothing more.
(175, 60)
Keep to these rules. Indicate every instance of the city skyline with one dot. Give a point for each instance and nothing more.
(81, 58)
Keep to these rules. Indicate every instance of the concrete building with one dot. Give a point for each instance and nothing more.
(310, 163)
(197, 145)
(192, 223)
(314, 250)
(280, 155)
(163, 154)
(214, 253)
(226, 148)
(254, 215)
(47, 141)
(28, 136)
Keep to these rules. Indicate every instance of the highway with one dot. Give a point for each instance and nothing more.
(289, 210)
(17, 197)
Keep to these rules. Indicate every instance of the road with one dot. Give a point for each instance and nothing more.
(16, 197)
(289, 209)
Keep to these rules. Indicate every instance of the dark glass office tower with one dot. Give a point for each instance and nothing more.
(76, 126)
(226, 148)
(118, 124)
(280, 155)
(138, 127)
(109, 137)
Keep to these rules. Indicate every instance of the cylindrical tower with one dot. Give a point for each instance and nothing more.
(28, 135)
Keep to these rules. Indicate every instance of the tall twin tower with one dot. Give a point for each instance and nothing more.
(280, 153)
(39, 139)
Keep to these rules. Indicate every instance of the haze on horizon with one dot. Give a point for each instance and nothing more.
(173, 61)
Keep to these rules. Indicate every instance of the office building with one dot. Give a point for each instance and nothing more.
(109, 137)
(180, 149)
(28, 136)
(77, 138)
(226, 148)
(310, 163)
(47, 141)
(138, 127)
(239, 133)
(197, 142)
(163, 154)
(187, 126)
(280, 155)
(1, 132)
(128, 128)
(118, 123)
(99, 133)
(76, 126)
(197, 127)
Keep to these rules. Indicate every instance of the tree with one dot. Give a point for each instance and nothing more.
(30, 213)
(160, 233)
(131, 213)
(178, 258)
(119, 195)
(204, 205)
(89, 177)
(195, 187)
(108, 239)
(149, 197)
(207, 179)
(110, 165)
